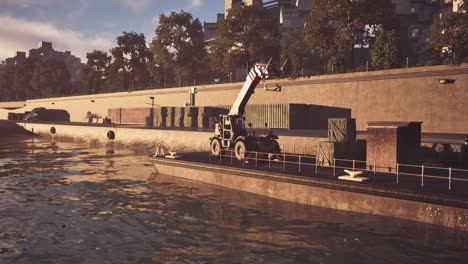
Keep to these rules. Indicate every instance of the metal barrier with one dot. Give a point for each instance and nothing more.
(300, 161)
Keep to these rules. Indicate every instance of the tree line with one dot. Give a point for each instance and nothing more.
(178, 55)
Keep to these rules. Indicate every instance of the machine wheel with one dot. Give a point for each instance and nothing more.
(215, 147)
(240, 149)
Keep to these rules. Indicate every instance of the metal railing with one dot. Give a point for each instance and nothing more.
(300, 162)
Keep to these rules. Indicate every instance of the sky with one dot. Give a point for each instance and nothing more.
(82, 26)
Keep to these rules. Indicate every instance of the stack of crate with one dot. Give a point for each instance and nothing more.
(159, 116)
(206, 113)
(179, 116)
(170, 116)
(341, 142)
(191, 115)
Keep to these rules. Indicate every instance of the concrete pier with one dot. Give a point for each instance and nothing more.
(451, 213)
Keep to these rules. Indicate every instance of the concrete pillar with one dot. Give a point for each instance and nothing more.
(389, 143)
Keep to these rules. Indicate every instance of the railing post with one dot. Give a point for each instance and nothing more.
(422, 175)
(354, 164)
(299, 163)
(397, 173)
(450, 178)
(334, 167)
(231, 155)
(316, 166)
(284, 162)
(269, 160)
(375, 170)
(256, 159)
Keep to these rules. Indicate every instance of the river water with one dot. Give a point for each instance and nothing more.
(64, 203)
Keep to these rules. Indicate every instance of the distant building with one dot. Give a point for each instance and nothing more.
(289, 13)
(45, 49)
(416, 18)
(211, 29)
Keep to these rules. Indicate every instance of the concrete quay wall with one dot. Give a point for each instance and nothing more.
(150, 139)
(304, 191)
(414, 94)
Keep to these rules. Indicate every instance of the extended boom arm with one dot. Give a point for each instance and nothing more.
(256, 74)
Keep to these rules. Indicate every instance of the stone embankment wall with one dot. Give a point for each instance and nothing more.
(415, 94)
(148, 140)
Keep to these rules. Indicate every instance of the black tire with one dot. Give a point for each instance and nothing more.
(239, 149)
(111, 135)
(276, 147)
(215, 147)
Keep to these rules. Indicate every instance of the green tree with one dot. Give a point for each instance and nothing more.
(129, 68)
(385, 52)
(96, 71)
(50, 78)
(247, 35)
(178, 46)
(295, 56)
(334, 27)
(7, 73)
(22, 80)
(449, 38)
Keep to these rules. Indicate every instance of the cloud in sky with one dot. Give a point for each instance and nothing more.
(22, 35)
(194, 4)
(135, 5)
(10, 4)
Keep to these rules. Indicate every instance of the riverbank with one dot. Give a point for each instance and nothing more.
(300, 141)
(148, 139)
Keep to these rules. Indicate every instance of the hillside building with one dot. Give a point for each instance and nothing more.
(45, 49)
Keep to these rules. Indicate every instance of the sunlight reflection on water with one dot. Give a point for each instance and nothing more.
(65, 203)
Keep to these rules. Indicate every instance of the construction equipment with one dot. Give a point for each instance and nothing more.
(230, 131)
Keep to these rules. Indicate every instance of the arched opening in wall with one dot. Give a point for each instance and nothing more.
(111, 135)
(53, 130)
